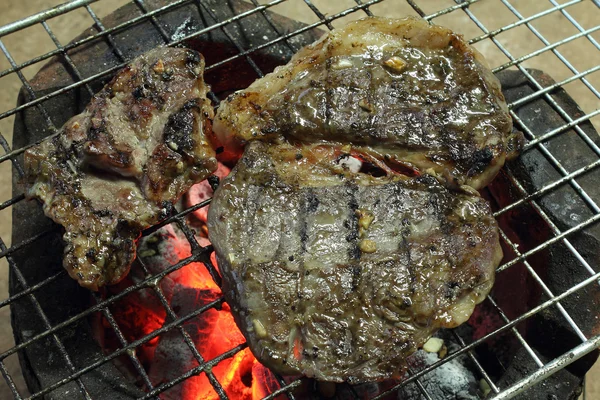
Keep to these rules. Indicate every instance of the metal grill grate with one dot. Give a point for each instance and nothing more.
(464, 16)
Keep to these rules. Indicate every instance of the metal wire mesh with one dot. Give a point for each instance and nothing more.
(466, 16)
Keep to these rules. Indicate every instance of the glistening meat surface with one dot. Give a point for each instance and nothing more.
(341, 275)
(414, 94)
(117, 167)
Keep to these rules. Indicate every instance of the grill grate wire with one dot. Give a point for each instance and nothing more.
(200, 254)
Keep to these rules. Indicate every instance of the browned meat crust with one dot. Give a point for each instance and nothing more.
(339, 275)
(117, 167)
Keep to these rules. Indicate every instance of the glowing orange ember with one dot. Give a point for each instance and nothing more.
(212, 332)
(202, 191)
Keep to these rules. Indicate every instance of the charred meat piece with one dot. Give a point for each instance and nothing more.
(415, 94)
(117, 167)
(340, 275)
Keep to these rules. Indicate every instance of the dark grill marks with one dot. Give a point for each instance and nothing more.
(139, 92)
(312, 202)
(404, 251)
(97, 128)
(351, 223)
(303, 223)
(328, 93)
(371, 129)
(356, 272)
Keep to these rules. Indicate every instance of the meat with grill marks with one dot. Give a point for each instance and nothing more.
(413, 94)
(117, 167)
(340, 275)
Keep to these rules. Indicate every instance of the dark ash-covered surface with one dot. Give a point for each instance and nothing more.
(504, 358)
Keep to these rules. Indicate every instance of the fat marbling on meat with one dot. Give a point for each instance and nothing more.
(340, 275)
(117, 167)
(414, 94)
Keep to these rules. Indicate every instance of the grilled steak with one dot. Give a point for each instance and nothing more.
(412, 93)
(341, 275)
(118, 166)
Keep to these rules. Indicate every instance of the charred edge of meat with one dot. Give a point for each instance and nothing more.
(480, 160)
(180, 126)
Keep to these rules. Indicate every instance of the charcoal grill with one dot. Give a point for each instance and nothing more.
(548, 294)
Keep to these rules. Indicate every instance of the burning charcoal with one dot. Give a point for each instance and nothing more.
(263, 382)
(173, 356)
(167, 247)
(451, 380)
(213, 332)
(246, 378)
(203, 191)
(368, 390)
(139, 314)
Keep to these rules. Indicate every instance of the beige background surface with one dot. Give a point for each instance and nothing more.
(492, 13)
